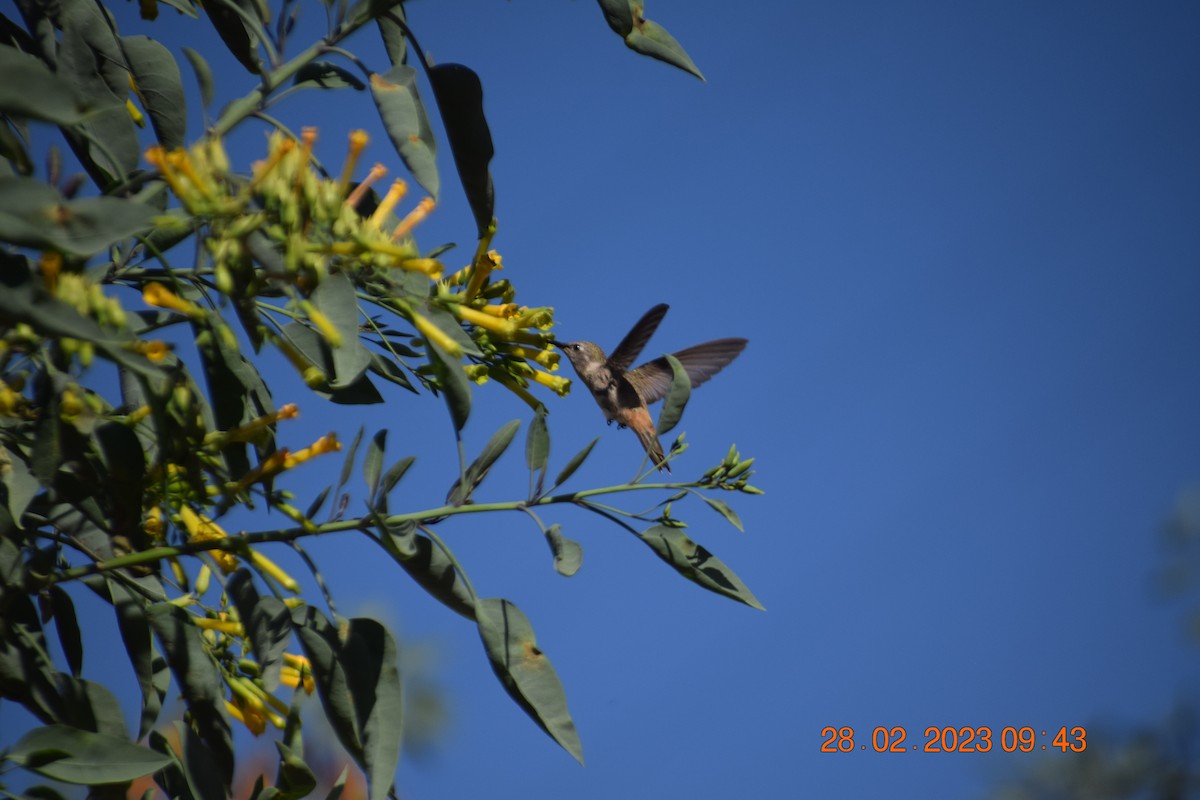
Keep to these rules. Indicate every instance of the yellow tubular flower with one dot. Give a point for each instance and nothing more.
(157, 295)
(414, 218)
(156, 156)
(484, 265)
(360, 191)
(290, 676)
(560, 385)
(436, 335)
(200, 528)
(546, 358)
(394, 195)
(269, 567)
(153, 524)
(181, 161)
(227, 626)
(358, 143)
(51, 264)
(331, 334)
(326, 444)
(255, 722)
(429, 266)
(135, 113)
(520, 391)
(502, 327)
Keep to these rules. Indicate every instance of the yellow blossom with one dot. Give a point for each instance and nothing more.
(157, 295)
(502, 327)
(269, 567)
(414, 218)
(394, 195)
(436, 335)
(559, 384)
(228, 626)
(290, 676)
(326, 444)
(546, 358)
(485, 264)
(360, 191)
(255, 721)
(202, 529)
(153, 524)
(51, 263)
(358, 142)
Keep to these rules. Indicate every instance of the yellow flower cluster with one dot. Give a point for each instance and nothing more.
(316, 226)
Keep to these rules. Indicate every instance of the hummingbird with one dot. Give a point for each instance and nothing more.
(624, 393)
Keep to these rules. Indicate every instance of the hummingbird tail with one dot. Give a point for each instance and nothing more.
(649, 440)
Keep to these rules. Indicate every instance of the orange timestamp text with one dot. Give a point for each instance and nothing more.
(950, 739)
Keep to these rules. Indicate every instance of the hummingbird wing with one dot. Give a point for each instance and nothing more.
(652, 380)
(636, 339)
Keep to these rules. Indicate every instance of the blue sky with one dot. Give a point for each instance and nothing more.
(962, 241)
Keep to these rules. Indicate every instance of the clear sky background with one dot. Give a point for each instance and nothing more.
(964, 242)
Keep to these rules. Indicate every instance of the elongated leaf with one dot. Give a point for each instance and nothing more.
(326, 75)
(568, 555)
(383, 366)
(13, 149)
(267, 622)
(31, 91)
(407, 124)
(296, 778)
(390, 478)
(575, 463)
(454, 384)
(697, 564)
(199, 683)
(160, 87)
(390, 30)
(525, 672)
(373, 463)
(240, 33)
(459, 96)
(34, 214)
(677, 396)
(537, 443)
(67, 625)
(348, 464)
(359, 685)
(204, 76)
(172, 778)
(428, 565)
(478, 469)
(335, 298)
(148, 664)
(70, 755)
(725, 511)
(651, 39)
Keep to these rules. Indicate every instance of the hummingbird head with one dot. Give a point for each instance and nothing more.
(582, 354)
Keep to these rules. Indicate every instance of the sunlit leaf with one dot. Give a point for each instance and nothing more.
(525, 672)
(575, 463)
(428, 565)
(455, 385)
(723, 508)
(568, 555)
(204, 76)
(30, 90)
(697, 564)
(478, 469)
(159, 86)
(70, 755)
(373, 462)
(537, 443)
(677, 396)
(34, 214)
(406, 123)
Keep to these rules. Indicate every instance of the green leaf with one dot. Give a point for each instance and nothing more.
(67, 625)
(373, 463)
(12, 148)
(525, 672)
(359, 686)
(459, 96)
(238, 32)
(348, 464)
(651, 39)
(568, 555)
(394, 40)
(406, 123)
(697, 564)
(677, 396)
(335, 298)
(619, 14)
(267, 622)
(159, 86)
(724, 510)
(479, 468)
(326, 75)
(296, 778)
(430, 566)
(455, 385)
(34, 214)
(30, 90)
(172, 778)
(70, 755)
(390, 479)
(575, 463)
(537, 443)
(383, 366)
(149, 667)
(199, 682)
(204, 76)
